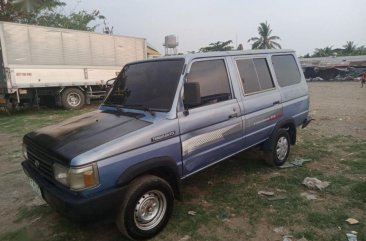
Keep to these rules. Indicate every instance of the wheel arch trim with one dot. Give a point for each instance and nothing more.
(286, 122)
(163, 167)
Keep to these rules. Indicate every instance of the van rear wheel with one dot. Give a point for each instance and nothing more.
(279, 150)
(146, 208)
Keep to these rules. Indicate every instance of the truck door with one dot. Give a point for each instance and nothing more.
(212, 130)
(261, 99)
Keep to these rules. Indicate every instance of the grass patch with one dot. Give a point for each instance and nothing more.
(32, 212)
(22, 122)
(23, 234)
(358, 166)
(334, 217)
(358, 191)
(19, 235)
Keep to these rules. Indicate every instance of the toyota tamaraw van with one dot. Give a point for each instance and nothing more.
(164, 120)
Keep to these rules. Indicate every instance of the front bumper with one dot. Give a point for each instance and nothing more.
(72, 204)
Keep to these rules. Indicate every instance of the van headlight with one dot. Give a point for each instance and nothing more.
(76, 178)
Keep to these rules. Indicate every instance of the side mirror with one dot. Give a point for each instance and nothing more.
(192, 94)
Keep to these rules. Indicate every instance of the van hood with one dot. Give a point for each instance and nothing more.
(79, 134)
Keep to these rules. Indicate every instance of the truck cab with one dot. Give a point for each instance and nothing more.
(164, 120)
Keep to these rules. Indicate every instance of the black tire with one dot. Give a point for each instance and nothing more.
(146, 192)
(280, 149)
(72, 99)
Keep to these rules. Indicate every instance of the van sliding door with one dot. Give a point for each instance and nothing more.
(262, 101)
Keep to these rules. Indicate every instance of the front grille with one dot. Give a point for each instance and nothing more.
(41, 160)
(42, 165)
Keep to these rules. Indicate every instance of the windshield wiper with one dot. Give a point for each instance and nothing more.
(120, 111)
(142, 107)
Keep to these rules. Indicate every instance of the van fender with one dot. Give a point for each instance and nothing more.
(164, 167)
(287, 123)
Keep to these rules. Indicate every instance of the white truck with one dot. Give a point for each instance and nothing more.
(43, 65)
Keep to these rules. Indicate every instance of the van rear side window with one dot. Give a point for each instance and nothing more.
(254, 74)
(286, 69)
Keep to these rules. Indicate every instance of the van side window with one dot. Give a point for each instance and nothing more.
(213, 79)
(286, 69)
(255, 75)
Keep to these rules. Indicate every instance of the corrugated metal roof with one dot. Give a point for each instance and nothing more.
(341, 61)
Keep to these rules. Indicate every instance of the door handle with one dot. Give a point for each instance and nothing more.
(276, 102)
(234, 115)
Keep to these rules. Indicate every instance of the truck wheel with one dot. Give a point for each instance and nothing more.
(146, 208)
(280, 149)
(73, 98)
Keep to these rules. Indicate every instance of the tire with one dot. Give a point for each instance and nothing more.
(72, 99)
(280, 149)
(146, 192)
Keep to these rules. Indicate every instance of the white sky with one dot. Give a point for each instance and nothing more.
(302, 25)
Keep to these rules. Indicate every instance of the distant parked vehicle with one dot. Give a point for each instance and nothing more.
(60, 66)
(163, 121)
(317, 79)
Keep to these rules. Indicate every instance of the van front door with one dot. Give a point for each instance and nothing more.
(211, 130)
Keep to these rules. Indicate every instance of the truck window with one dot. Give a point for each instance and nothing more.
(286, 69)
(213, 79)
(255, 75)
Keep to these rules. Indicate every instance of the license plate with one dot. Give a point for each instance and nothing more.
(35, 186)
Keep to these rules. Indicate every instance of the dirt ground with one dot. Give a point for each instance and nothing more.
(339, 109)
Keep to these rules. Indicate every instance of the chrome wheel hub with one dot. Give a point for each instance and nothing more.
(282, 148)
(73, 99)
(150, 210)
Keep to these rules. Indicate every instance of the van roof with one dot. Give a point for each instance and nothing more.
(189, 57)
(239, 52)
(226, 53)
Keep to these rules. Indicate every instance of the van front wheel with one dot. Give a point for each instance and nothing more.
(280, 149)
(146, 208)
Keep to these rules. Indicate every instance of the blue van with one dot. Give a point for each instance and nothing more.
(164, 120)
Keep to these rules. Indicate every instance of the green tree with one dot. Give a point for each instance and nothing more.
(218, 46)
(265, 40)
(46, 13)
(240, 47)
(361, 50)
(78, 20)
(323, 52)
(349, 48)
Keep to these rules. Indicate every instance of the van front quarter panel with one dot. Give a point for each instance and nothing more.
(121, 169)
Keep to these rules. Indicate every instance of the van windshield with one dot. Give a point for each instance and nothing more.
(147, 85)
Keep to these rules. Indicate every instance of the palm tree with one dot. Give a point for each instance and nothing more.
(323, 52)
(265, 40)
(349, 48)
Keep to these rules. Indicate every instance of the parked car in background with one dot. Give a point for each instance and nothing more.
(164, 120)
